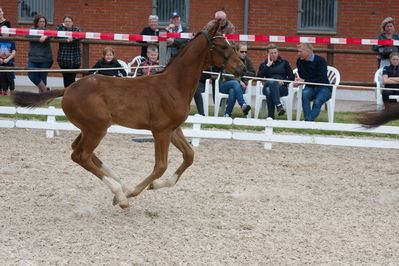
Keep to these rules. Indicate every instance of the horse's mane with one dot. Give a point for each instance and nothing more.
(181, 51)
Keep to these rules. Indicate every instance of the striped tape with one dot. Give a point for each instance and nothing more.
(163, 36)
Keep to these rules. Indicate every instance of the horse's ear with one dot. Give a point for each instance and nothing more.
(214, 28)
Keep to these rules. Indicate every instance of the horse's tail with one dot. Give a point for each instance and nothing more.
(30, 99)
(391, 112)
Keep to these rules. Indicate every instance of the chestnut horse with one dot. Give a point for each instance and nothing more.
(160, 103)
(375, 119)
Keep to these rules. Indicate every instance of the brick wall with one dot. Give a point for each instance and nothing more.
(266, 17)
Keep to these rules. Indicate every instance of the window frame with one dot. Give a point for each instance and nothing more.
(28, 20)
(184, 14)
(317, 29)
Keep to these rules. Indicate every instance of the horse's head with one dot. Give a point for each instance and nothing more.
(222, 53)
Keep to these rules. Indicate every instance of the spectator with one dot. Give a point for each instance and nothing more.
(388, 33)
(7, 54)
(199, 103)
(175, 26)
(108, 61)
(312, 68)
(40, 54)
(152, 29)
(225, 26)
(236, 87)
(152, 55)
(390, 75)
(3, 21)
(69, 53)
(276, 68)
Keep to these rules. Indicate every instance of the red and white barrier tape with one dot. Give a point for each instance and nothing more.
(163, 36)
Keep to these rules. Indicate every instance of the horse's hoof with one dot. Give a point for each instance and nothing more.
(114, 201)
(124, 205)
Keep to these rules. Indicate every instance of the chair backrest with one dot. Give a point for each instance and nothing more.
(335, 78)
(135, 63)
(124, 65)
(378, 78)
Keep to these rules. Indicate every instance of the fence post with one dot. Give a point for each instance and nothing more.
(86, 55)
(268, 132)
(51, 120)
(196, 127)
(164, 52)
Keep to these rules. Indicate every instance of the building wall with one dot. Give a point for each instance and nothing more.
(266, 17)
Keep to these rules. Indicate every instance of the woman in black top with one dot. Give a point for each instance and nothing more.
(390, 76)
(152, 29)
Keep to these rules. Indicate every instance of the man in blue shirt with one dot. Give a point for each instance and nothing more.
(312, 68)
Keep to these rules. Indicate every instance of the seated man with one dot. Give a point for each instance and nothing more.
(312, 68)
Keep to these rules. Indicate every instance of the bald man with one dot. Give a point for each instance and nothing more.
(226, 27)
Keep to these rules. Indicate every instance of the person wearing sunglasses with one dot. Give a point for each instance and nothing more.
(236, 87)
(276, 68)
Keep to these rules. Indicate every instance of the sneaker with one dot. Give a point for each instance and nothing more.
(4, 93)
(246, 108)
(280, 109)
(226, 115)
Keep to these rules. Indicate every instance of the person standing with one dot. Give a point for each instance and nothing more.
(388, 33)
(276, 68)
(3, 20)
(312, 68)
(7, 54)
(69, 55)
(175, 26)
(151, 29)
(40, 54)
(225, 25)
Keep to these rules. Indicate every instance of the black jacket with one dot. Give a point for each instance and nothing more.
(280, 69)
(112, 72)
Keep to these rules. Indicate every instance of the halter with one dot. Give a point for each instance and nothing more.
(213, 47)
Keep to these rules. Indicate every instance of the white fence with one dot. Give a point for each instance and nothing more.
(52, 126)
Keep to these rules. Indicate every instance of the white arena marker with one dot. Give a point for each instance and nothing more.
(247, 38)
(92, 35)
(307, 39)
(277, 38)
(64, 33)
(121, 37)
(369, 42)
(36, 32)
(338, 40)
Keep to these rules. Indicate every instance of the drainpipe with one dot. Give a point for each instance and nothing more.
(246, 7)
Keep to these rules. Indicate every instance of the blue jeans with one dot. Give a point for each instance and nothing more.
(234, 89)
(37, 77)
(319, 95)
(273, 91)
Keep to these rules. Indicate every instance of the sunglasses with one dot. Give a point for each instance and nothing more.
(244, 52)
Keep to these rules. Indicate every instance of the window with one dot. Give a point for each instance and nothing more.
(163, 9)
(28, 9)
(317, 16)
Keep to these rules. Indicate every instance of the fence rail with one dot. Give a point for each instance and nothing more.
(52, 127)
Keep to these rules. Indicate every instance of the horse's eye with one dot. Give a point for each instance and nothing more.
(224, 47)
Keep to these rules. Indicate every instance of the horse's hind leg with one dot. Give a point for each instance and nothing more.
(181, 143)
(82, 154)
(161, 142)
(100, 164)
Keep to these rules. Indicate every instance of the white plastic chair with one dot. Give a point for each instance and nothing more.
(334, 77)
(379, 84)
(248, 95)
(124, 65)
(220, 98)
(135, 63)
(205, 96)
(287, 101)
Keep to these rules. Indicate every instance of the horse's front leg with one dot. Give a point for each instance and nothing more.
(161, 144)
(181, 143)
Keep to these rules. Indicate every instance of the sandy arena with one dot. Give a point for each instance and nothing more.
(237, 205)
